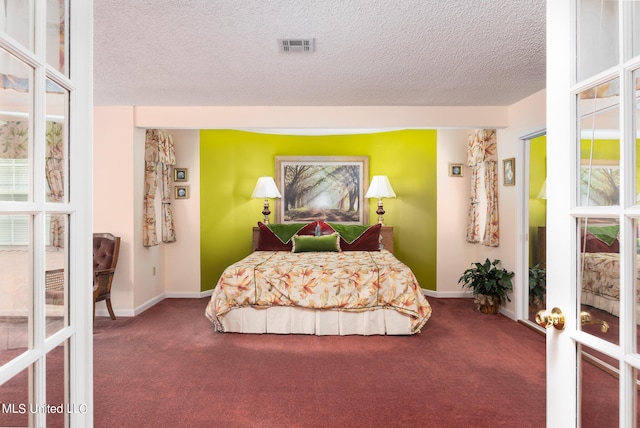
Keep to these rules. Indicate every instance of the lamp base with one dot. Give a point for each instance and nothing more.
(380, 211)
(266, 211)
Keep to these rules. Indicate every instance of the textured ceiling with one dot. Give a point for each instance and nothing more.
(368, 52)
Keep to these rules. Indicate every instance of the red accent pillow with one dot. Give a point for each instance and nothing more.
(595, 245)
(310, 229)
(268, 241)
(325, 229)
(368, 241)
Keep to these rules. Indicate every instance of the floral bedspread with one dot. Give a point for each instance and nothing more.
(349, 281)
(601, 282)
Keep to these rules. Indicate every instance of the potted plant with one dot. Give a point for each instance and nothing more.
(490, 285)
(537, 288)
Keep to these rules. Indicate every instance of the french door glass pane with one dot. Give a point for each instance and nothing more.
(599, 277)
(16, 259)
(599, 391)
(636, 270)
(16, 99)
(56, 135)
(599, 112)
(635, 13)
(57, 35)
(57, 386)
(18, 21)
(15, 404)
(57, 275)
(597, 36)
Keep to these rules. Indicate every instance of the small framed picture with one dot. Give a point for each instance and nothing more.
(182, 192)
(180, 174)
(456, 169)
(509, 172)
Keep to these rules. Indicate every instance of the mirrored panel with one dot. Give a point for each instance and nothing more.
(15, 407)
(599, 393)
(537, 225)
(16, 260)
(636, 129)
(598, 42)
(56, 274)
(599, 277)
(56, 136)
(599, 145)
(57, 35)
(18, 16)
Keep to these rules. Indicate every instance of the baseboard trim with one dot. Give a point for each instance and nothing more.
(447, 294)
(154, 301)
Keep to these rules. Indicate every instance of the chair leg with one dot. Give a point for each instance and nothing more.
(110, 309)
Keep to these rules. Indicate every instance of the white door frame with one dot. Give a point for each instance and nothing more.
(522, 213)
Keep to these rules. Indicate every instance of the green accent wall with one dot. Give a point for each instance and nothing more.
(232, 161)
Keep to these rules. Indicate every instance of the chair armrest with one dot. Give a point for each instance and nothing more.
(102, 280)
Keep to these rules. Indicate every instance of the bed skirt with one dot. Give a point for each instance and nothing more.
(297, 320)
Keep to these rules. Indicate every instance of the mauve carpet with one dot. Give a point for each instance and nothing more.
(167, 367)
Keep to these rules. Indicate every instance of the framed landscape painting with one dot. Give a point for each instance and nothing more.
(327, 188)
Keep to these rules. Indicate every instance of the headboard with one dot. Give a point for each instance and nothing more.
(386, 232)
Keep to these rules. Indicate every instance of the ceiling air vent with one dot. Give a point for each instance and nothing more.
(297, 45)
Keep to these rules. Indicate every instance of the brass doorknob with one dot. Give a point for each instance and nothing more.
(585, 318)
(554, 318)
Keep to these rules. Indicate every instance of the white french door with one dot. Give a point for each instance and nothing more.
(45, 213)
(593, 58)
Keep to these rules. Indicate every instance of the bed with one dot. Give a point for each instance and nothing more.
(353, 285)
(600, 270)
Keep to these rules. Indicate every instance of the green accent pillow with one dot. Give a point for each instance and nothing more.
(324, 243)
(606, 234)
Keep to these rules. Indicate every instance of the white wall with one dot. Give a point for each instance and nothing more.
(454, 254)
(182, 258)
(113, 199)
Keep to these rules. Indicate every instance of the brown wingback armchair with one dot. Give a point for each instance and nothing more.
(105, 257)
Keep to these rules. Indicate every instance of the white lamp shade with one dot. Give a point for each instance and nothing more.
(266, 188)
(542, 194)
(380, 188)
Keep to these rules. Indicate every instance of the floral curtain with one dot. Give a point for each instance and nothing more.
(54, 171)
(167, 158)
(482, 159)
(14, 144)
(159, 155)
(14, 140)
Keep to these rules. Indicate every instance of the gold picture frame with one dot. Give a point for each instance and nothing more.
(509, 172)
(331, 188)
(181, 192)
(180, 174)
(456, 169)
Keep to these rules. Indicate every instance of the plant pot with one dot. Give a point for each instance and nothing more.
(486, 304)
(490, 309)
